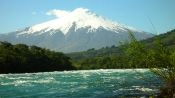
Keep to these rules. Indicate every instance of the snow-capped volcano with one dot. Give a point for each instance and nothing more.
(81, 18)
(78, 30)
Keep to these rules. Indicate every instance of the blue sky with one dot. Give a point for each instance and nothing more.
(140, 14)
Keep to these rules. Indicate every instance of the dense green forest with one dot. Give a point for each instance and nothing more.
(116, 57)
(21, 58)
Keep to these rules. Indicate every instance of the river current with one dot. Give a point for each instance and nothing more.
(109, 83)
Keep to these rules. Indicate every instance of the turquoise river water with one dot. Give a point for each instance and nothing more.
(110, 83)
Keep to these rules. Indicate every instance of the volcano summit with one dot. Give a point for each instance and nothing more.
(74, 31)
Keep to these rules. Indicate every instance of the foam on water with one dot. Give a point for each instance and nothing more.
(84, 83)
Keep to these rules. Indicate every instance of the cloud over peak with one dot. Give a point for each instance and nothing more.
(61, 13)
(58, 13)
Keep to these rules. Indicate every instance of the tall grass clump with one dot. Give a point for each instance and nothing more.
(158, 58)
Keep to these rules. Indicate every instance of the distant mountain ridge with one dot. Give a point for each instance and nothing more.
(80, 30)
(168, 39)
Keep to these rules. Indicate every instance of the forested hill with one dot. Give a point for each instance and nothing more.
(117, 57)
(21, 58)
(168, 39)
(106, 51)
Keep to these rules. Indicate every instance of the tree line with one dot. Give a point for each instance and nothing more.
(158, 58)
(21, 58)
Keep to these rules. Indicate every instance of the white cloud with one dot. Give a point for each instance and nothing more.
(58, 13)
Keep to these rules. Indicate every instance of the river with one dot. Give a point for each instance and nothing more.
(109, 83)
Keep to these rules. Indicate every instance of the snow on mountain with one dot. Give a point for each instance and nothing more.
(78, 30)
(82, 18)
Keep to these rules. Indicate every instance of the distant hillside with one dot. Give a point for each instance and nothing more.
(168, 39)
(106, 51)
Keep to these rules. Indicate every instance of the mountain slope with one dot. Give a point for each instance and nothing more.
(77, 19)
(79, 30)
(168, 39)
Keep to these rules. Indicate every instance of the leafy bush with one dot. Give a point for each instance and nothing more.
(159, 59)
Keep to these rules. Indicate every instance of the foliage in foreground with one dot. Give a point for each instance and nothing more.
(21, 58)
(158, 58)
